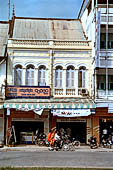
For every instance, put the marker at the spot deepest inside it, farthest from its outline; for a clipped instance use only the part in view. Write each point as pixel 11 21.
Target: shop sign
pixel 28 92
pixel 71 120
pixel 71 112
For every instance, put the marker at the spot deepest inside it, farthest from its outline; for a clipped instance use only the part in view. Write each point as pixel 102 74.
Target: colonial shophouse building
pixel 97 20
pixel 49 77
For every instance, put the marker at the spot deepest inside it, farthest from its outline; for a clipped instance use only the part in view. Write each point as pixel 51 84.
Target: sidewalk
pixel 35 148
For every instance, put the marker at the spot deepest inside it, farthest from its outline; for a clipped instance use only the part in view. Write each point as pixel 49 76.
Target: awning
pixel 53 103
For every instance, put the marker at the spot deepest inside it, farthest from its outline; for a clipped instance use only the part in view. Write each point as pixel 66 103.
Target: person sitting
pixel 49 136
pixel 52 139
pixel 57 139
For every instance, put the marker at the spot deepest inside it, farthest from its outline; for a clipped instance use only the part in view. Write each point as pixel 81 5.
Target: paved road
pixel 56 159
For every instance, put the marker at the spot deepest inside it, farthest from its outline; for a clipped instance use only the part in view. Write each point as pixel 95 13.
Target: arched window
pixel 82 77
pixel 70 73
pixel 58 77
pixel 30 75
pixel 18 75
pixel 42 76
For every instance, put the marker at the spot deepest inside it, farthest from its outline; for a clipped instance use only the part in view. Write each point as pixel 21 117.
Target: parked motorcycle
pixel 106 143
pixel 93 142
pixel 41 139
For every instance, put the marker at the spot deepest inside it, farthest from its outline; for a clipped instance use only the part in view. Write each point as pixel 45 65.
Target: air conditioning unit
pixel 83 92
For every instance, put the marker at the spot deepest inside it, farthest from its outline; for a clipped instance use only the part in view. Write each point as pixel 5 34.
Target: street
pixel 56 159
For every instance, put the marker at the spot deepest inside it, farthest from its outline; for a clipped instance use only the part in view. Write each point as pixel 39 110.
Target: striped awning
pixel 53 103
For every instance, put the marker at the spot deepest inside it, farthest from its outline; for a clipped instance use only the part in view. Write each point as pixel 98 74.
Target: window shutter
pixel 42 77
pixel 30 77
pixel 17 77
pixel 58 78
pixel 72 79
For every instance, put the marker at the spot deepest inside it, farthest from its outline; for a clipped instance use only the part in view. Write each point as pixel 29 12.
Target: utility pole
pixel 9 4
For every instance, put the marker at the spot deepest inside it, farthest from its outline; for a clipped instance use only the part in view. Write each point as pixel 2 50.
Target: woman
pixel 52 139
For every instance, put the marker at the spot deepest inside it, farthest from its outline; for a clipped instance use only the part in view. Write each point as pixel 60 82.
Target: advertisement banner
pixel 28 92
pixel 71 112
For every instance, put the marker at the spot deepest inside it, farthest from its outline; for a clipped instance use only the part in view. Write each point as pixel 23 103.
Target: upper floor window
pixel 81 77
pixel 30 75
pixel 110 82
pixel 70 77
pixel 18 75
pixel 42 76
pixel 58 77
pixel 103 36
pixel 101 82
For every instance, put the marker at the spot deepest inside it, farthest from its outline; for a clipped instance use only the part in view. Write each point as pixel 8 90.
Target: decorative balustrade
pixel 102 93
pixel 48 42
pixel 70 92
pixel 58 92
pixel 104 18
pixel 71 43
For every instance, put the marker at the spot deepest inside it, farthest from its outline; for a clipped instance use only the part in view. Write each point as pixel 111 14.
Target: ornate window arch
pixel 30 75
pixel 70 76
pixel 18 75
pixel 82 77
pixel 58 76
pixel 42 75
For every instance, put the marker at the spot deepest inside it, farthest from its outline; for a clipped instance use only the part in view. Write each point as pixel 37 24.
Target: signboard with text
pixel 70 112
pixel 28 92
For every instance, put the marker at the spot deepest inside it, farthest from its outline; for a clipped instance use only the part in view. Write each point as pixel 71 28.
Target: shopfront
pixel 78 120
pixel 25 115
pixel 103 122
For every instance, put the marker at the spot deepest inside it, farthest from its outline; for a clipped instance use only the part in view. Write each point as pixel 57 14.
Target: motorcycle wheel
pixel 77 143
pixel 65 147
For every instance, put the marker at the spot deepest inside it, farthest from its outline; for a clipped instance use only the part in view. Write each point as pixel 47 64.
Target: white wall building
pixel 50 53
pixel 97 20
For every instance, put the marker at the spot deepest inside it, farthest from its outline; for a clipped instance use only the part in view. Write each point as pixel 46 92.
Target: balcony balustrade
pixel 102 94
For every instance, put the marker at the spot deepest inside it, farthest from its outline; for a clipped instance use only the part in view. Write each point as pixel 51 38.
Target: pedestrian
pixel 49 136
pixel 52 139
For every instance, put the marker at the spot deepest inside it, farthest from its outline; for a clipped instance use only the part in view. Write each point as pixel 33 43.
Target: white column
pixel 64 82
pixel 23 76
pixel 87 80
pixel 76 82
pixel 47 80
pixel 53 82
pixel 36 77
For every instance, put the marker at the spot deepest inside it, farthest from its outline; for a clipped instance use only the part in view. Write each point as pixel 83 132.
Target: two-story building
pixel 49 77
pixel 97 20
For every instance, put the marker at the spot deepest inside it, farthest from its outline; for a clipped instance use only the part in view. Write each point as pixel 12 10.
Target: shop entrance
pixel 78 129
pixel 25 131
pixel 106 125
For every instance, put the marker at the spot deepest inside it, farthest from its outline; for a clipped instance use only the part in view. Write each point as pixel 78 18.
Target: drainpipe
pixel 106 51
pixel 51 67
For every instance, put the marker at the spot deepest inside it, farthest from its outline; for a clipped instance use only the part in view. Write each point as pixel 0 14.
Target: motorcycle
pixel 74 144
pixel 61 144
pixel 41 139
pixel 106 143
pixel 93 142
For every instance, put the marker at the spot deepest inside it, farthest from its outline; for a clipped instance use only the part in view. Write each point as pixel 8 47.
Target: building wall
pixel 1 125
pixel 80 56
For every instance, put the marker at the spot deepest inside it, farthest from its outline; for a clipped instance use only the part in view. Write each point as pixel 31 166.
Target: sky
pixel 41 8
